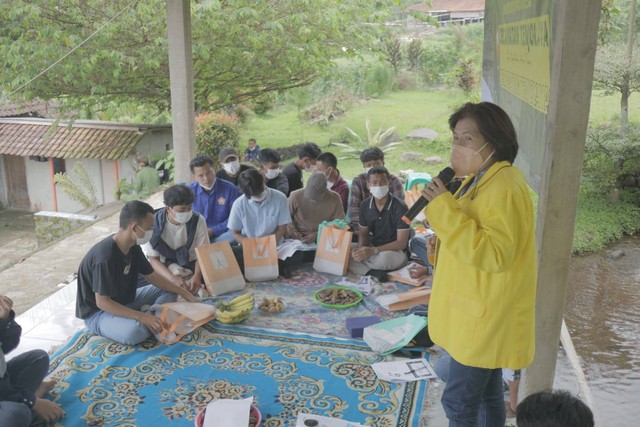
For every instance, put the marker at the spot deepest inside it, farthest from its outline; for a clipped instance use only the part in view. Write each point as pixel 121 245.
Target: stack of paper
pixel 324 421
pixel 290 246
pixel 403 275
pixel 228 412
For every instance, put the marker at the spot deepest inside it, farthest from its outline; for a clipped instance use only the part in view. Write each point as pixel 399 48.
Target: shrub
pixel 414 54
pixel 329 108
pixel 466 75
pixel 378 81
pixel 215 131
pixel 599 222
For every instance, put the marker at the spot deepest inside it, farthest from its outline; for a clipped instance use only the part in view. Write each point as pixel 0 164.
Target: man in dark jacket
pixel 21 385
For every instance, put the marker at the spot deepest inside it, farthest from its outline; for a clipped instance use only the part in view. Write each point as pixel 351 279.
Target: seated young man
pixel 310 206
pixel 553 408
pixel 270 167
pixel 109 300
pixel 382 235
pixel 213 198
pixel 370 157
pixel 177 232
pixel 327 164
pixel 22 388
pixel 231 167
pixel 252 151
pixel 259 212
pixel 307 155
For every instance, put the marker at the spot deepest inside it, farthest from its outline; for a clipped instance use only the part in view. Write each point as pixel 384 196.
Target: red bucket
pixel 254 410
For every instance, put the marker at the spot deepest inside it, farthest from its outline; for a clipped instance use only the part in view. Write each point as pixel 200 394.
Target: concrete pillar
pixel 574 49
pixel 181 75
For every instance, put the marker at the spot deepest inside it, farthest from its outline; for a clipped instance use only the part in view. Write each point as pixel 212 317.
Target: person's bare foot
pixel 511 413
pixel 45 388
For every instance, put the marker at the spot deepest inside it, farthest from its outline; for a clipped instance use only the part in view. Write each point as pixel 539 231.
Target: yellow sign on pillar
pixel 525 60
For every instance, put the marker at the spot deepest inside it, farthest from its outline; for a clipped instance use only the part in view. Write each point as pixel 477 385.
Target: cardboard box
pixel 356 325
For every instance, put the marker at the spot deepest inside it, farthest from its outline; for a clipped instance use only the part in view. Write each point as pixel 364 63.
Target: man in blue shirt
pixel 259 212
pixel 213 198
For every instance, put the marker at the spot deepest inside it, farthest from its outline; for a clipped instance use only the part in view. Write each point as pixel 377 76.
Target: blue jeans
pixel 418 245
pixel 24 371
pixel 122 329
pixel 473 396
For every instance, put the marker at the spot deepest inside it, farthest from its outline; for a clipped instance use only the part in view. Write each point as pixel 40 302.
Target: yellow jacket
pixel 484 288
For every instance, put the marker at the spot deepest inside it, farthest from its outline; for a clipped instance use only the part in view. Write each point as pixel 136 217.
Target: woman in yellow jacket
pixel 482 305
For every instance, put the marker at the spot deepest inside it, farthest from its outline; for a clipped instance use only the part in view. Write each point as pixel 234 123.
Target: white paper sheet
pixel 290 246
pixel 228 413
pixel 402 371
pixel 364 284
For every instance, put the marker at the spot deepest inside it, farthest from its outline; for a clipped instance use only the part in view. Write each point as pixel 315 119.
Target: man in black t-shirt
pixel 307 155
pixel 108 299
pixel 382 236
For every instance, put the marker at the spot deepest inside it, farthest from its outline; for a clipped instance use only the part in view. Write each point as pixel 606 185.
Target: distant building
pixel 32 150
pixel 452 11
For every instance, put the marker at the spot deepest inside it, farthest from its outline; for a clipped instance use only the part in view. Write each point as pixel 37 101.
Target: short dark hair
pixel 328 159
pixel 494 125
pixel 252 140
pixel 310 150
pixel 267 155
pixel 178 195
pixel 134 211
pixel 251 182
pixel 553 408
pixel 371 154
pixel 377 170
pixel 200 161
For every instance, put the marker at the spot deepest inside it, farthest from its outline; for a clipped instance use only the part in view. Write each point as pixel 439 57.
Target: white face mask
pixel 260 198
pixel 379 192
pixel 271 173
pixel 182 217
pixel 311 169
pixel 465 160
pixel 204 187
pixel 366 170
pixel 329 185
pixel 232 167
pixel 147 236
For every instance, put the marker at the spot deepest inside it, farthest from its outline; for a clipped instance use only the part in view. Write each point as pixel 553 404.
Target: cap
pixel 227 152
pixel 316 187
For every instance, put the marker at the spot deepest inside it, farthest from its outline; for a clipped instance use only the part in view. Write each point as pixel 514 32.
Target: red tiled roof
pixel 449 6
pixel 80 139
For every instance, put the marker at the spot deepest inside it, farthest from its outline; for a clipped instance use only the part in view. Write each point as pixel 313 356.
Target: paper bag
pixel 332 255
pixel 181 318
pixel 220 269
pixel 336 223
pixel 260 258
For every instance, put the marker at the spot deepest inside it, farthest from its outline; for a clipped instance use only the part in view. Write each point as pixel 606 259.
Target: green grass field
pixel 406 110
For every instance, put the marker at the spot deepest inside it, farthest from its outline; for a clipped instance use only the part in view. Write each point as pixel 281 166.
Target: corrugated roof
pixel 82 139
pixel 449 6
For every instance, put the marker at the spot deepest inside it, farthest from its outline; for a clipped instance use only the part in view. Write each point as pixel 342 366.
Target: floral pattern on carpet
pixel 158 385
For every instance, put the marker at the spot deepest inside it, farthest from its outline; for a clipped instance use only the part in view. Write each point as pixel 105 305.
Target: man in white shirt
pixel 177 232
pixel 259 212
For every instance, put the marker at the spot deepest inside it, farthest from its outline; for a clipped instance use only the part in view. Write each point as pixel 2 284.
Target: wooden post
pixel 574 49
pixel 181 79
pixel 54 191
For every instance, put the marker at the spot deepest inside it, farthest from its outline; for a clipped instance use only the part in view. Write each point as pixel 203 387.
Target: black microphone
pixel 445 175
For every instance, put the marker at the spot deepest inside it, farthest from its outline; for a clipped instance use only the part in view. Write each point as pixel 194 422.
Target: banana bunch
pixel 235 311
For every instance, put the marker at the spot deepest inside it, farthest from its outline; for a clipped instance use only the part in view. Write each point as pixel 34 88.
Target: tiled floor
pixel 50 323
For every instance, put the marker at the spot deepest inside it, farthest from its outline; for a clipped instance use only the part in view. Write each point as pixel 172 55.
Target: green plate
pixel 338 306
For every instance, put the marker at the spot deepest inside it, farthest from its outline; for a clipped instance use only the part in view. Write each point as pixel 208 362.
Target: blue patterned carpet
pixel 157 385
